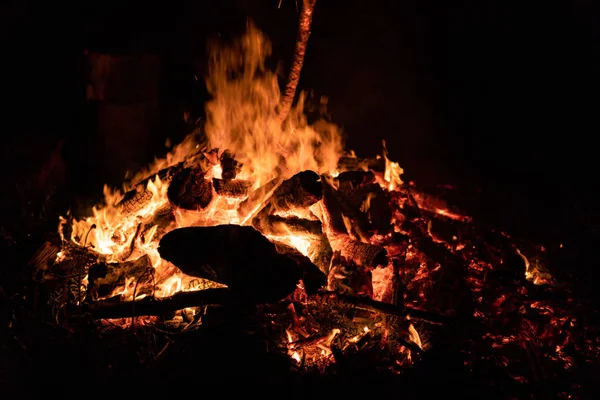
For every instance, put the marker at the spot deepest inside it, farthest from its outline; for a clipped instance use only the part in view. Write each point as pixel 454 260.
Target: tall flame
pixel 241 118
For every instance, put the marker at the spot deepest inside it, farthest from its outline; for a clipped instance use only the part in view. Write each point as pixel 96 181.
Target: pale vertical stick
pixel 302 39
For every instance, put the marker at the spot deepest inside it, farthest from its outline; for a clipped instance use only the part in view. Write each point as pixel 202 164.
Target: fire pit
pixel 259 247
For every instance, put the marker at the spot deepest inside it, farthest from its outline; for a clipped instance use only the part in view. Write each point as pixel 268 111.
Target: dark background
pixel 498 98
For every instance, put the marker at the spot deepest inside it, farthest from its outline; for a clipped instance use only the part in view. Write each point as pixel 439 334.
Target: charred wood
pixel 237 256
pixel 256 197
pixel 229 166
pixel 355 178
pixel 340 215
pixel 363 254
pixel 320 252
pixel 372 200
pixel 163 220
pixel 300 191
pixel 113 308
pixel 275 225
pixel 235 188
pixel 364 164
pixel 190 189
pixel 139 197
pixel 104 278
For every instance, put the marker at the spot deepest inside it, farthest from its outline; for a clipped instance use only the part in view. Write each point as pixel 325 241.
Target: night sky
pixel 496 97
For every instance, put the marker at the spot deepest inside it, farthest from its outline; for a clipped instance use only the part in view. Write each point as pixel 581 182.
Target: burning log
pixel 105 278
pixel 229 166
pixel 300 191
pixel 111 309
pixel 234 189
pixel 363 254
pixel 190 189
pixel 301 42
pixel 138 197
pixel 257 196
pixel 163 219
pixel 237 256
pixel 365 164
pixel 275 225
pixel 340 215
pixel 320 253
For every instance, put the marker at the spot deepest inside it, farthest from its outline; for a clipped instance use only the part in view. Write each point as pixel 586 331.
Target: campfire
pixel 263 215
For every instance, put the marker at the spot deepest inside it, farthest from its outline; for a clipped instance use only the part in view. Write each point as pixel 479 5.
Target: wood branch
pixel 368 304
pixel 274 225
pixel 304 24
pixel 229 166
pixel 365 164
pixel 257 197
pixel 300 191
pixel 363 254
pixel 105 278
pixel 109 309
pixel 237 256
pixel 190 190
pixel 235 189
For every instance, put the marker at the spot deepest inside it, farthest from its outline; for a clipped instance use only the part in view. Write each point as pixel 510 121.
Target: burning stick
pixel 368 304
pixel 255 198
pixel 363 254
pixel 108 309
pixel 105 278
pixel 275 225
pixel 235 189
pixel 303 34
pixel 300 191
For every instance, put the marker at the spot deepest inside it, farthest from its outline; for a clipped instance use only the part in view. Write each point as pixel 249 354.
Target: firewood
pixel 371 204
pixel 275 225
pixel 104 278
pixel 369 304
pixel 190 190
pixel 338 213
pixel 236 188
pixel 320 252
pixel 365 164
pixel 163 219
pixel 114 308
pixel 300 191
pixel 256 197
pixel 313 278
pixel 354 178
pixel 137 198
pixel 363 254
pixel 229 166
pixel 237 256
